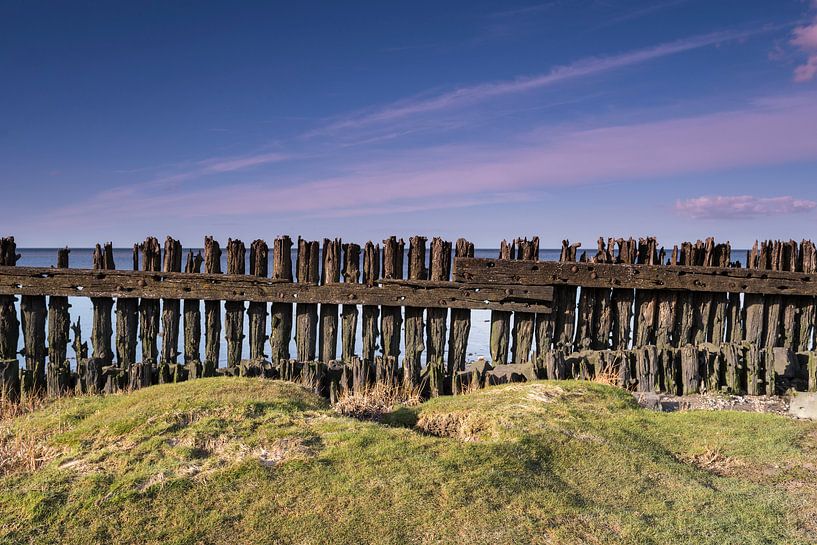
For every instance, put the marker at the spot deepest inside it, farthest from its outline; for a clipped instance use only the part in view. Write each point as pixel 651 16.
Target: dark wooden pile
pixel 691 320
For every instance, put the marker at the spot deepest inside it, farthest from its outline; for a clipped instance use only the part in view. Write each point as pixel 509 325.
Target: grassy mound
pixel 254 461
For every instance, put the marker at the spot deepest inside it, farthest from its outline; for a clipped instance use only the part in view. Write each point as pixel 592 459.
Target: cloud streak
pixel 721 207
pixel 466 96
pixel 771 131
pixel 805 38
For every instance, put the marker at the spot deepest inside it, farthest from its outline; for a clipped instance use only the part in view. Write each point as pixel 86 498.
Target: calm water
pixel 82 258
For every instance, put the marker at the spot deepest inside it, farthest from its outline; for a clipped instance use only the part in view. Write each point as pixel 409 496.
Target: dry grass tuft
pixel 374 401
pixel 608 375
pixel 714 461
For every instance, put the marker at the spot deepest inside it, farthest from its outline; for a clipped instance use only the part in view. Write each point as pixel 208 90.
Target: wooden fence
pixel 685 321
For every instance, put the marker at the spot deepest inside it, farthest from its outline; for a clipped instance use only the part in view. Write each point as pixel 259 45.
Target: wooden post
pixel 371 313
pixel 33 314
pixel 564 304
pixel 440 271
pixel 281 313
pixel 149 310
pixel 645 300
pixel 460 322
pixel 192 322
pixel 171 314
pixel 330 274
pixel 102 327
pixel 501 320
pixel 603 315
pixel 58 372
pixel 212 311
pixel 414 315
pixel 806 305
pixel 667 305
pixel 86 384
pixel 234 310
pixel 790 312
pixel 306 314
pixel 774 303
pixel 257 311
pixel 716 330
pixel 9 329
pixel 690 370
pixel 127 331
pixel 351 274
pixel 524 322
pixel 391 318
pixel 621 300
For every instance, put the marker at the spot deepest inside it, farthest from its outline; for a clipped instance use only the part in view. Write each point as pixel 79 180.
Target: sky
pixel 487 120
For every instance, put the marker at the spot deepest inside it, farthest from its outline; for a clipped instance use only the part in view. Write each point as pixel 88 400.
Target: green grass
pixel 254 461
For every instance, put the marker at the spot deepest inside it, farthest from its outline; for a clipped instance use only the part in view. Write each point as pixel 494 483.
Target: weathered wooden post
pixel 149 311
pixel 234 310
pixel 351 275
pixel 192 322
pixel 391 318
pixel 524 322
pixel 33 314
pixel 127 331
pixel 414 315
pixel 212 310
pixel 439 271
pixel 58 372
pixel 330 274
pixel 9 329
pixel 257 310
pixel 621 300
pixel 645 300
pixel 501 320
pixel 102 328
pixel 807 310
pixel 171 315
pixel 371 313
pixel 564 304
pixel 306 314
pixel 460 321
pixel 281 327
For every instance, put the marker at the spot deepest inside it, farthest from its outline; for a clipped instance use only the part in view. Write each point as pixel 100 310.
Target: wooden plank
pixel 790 311
pixel 371 313
pixel 58 372
pixel 460 321
pixel 805 304
pixel 415 344
pixel 216 287
pixel 330 274
pixel 257 310
pixel 501 320
pixel 349 313
pixel 524 322
pixel 439 270
pixel 391 316
pixel 703 279
pixel 306 314
pixel 281 311
pixel 774 304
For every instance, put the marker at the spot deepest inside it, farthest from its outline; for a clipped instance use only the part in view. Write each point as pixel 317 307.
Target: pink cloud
pixel 771 131
pixel 741 206
pixel 805 39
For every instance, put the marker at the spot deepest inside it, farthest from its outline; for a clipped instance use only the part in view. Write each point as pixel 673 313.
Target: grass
pixel 229 460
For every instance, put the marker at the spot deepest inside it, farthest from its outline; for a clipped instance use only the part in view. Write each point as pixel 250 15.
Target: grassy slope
pixel 252 461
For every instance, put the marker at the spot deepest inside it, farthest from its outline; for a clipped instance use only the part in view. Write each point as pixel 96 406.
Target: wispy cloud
pixel 771 131
pixel 641 12
pixel 805 38
pixel 722 207
pixel 465 96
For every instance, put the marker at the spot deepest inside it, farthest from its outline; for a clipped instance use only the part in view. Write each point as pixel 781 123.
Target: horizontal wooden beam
pixel 224 287
pixel 653 277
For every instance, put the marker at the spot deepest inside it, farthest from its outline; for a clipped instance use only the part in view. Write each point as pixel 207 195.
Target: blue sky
pixel 579 119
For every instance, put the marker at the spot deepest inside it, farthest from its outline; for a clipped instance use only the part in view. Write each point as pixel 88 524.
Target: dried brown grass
pixel 21 451
pixel 374 401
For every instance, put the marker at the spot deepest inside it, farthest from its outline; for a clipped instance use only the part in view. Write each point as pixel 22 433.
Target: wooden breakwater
pixel 682 321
